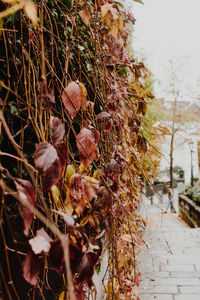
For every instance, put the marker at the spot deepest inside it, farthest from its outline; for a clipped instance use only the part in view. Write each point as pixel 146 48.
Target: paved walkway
pixel 171 266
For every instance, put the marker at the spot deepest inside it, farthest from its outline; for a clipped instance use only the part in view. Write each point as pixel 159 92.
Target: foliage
pixel 193 192
pixel 72 140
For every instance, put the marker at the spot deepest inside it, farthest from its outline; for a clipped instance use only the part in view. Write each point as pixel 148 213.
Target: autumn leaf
pixel 31 11
pixel 57 129
pixel 85 16
pixel 83 189
pixel 71 170
pixel 62 151
pixel 27 195
pixel 103 114
pixel 111 18
pixel 87 146
pixel 69 221
pixel 31 268
pixel 45 156
pixel 45 96
pixel 83 92
pixel 41 242
pixel 108 125
pixel 51 176
pixel 74 97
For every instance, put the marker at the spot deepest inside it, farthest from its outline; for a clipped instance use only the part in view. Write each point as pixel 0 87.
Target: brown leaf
pixel 45 96
pixel 45 156
pixel 58 129
pixel 85 16
pixel 62 150
pixel 31 268
pixel 83 92
pixel 86 143
pixel 108 125
pixel 52 175
pixel 83 189
pixel 103 114
pixel 30 9
pixel 41 242
pixel 27 194
pixel 69 221
pixel 71 98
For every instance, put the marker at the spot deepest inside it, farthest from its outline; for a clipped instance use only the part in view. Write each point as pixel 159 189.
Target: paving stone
pixel 195 289
pixel 156 275
pixel 157 297
pixel 171 281
pixel 184 259
pixel 174 251
pixel 169 289
pixel 188 275
pixel 173 268
pixel 186 297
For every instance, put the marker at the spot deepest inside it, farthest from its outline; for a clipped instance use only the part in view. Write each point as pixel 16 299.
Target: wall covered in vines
pixel 72 116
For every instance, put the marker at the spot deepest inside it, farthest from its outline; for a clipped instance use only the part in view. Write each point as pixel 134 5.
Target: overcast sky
pixel 169 30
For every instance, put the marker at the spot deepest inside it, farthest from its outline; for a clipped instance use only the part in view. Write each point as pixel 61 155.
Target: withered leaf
pixel 44 157
pixel 52 175
pixel 27 194
pixel 56 255
pixel 103 114
pixel 69 221
pixel 41 242
pixel 83 190
pixel 85 16
pixel 58 129
pixel 31 268
pixel 46 96
pixel 30 9
pixel 73 98
pixel 62 154
pixel 108 125
pixel 87 146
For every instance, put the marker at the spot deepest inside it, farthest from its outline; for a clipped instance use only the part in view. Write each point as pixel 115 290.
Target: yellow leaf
pixel 55 194
pixel 82 168
pixel 63 295
pixel 71 170
pixel 83 92
pixel 84 220
pixel 31 11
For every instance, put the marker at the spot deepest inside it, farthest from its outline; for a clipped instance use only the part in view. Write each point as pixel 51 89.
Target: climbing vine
pixel 72 107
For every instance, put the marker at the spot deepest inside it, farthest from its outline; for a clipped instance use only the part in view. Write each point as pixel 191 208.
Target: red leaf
pixel 103 114
pixel 47 97
pixel 82 191
pixel 62 151
pixel 31 268
pixel 58 129
pixel 108 125
pixel 69 221
pixel 52 175
pixel 56 255
pixel 84 270
pixel 27 194
pixel 90 105
pixel 45 156
pixel 71 98
pixel 86 143
pixel 41 242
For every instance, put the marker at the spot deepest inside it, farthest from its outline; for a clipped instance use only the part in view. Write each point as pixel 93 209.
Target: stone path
pixel 171 266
